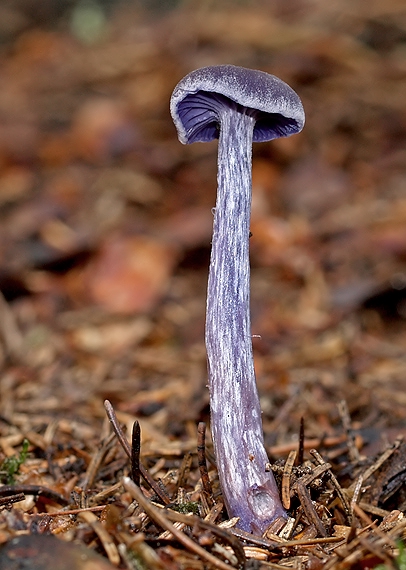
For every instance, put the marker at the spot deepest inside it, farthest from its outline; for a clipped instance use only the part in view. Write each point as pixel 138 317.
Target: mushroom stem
pixel 250 492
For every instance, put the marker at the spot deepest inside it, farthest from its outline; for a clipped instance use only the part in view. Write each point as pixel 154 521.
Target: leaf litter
pixel 105 238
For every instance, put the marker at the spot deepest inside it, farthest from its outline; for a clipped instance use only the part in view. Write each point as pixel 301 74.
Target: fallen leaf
pixel 45 552
pixel 130 274
pixel 110 338
pixel 102 129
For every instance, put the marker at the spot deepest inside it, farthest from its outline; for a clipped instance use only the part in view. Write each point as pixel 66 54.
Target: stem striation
pixel 250 492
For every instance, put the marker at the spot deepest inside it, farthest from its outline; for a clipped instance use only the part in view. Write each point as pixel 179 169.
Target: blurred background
pixel 105 218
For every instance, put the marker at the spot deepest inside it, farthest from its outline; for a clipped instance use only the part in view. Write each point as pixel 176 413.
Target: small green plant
pixel 186 508
pixel 11 465
pixel 400 560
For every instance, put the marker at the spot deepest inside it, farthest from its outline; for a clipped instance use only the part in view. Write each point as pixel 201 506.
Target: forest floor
pixel 105 228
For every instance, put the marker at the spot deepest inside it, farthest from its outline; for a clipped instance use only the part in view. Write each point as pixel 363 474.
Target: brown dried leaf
pixel 45 552
pixel 130 274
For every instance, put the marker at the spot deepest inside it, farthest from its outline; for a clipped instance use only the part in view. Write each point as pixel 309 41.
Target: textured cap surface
pixel 200 97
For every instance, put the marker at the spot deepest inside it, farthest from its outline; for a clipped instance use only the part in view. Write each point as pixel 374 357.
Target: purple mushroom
pixel 237 106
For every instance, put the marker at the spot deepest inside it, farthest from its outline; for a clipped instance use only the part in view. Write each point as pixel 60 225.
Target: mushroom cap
pixel 199 99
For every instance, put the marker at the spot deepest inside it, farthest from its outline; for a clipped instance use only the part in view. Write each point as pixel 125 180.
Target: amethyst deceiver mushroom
pixel 237 106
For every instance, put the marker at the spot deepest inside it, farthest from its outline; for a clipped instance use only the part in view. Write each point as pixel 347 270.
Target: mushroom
pixel 237 106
